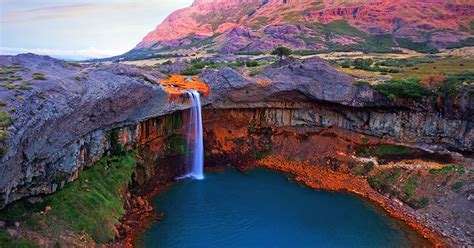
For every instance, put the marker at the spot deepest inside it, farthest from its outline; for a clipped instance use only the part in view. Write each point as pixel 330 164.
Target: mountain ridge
pixel 254 25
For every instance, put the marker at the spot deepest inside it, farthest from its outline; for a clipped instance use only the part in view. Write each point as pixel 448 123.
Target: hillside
pixel 252 26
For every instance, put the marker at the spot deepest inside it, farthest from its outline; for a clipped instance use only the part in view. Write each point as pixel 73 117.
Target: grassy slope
pixel 92 204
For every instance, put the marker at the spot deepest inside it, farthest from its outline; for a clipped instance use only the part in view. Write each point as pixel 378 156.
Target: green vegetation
pixel 389 149
pixel 457 185
pixel 456 168
pixel 454 82
pixel 360 82
pixel 384 180
pixel 190 72
pixel 254 72
pixel 38 76
pixel 16 86
pixel 410 186
pixel 402 88
pixel 9 242
pixel 372 43
pixel 5 119
pixel 92 204
pixel 383 150
pixel 367 65
pixel 416 46
pixel 281 52
pixel 176 144
pixel 464 43
pixel 251 63
pixel 388 181
pixel 418 203
pixel 74 64
pixel 365 169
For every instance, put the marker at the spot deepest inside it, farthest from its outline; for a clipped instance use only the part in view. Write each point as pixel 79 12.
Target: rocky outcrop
pixel 311 93
pixel 62 123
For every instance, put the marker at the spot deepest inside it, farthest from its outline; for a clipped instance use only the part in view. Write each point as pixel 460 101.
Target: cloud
pixel 61 11
pixel 65 54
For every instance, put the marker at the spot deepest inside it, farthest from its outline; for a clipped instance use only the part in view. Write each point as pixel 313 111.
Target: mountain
pixel 243 26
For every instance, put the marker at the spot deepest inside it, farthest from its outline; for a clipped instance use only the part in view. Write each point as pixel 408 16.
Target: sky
pixel 79 29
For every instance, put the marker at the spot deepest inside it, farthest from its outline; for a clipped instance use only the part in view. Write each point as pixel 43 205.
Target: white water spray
pixel 195 157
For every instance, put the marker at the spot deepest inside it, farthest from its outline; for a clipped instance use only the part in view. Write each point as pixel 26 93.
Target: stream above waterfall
pixel 260 208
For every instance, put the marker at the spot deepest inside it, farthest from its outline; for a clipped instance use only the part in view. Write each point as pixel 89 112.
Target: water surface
pixel 262 209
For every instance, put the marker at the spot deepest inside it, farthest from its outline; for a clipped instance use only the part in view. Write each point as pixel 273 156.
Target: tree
pixel 282 52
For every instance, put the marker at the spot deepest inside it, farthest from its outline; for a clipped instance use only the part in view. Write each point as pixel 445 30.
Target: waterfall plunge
pixel 195 147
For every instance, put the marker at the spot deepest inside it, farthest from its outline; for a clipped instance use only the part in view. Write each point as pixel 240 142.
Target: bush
pixel 346 64
pixel 418 204
pixel 74 64
pixel 361 82
pixel 254 73
pixel 190 72
pixel 199 65
pixel 457 185
pixel 251 63
pixel 446 169
pixel 389 149
pixel 5 119
pixel 39 76
pixel 402 88
pixel 383 180
pixel 454 82
pixel 416 46
pixel 410 186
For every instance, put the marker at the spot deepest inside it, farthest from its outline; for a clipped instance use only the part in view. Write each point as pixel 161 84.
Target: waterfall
pixel 195 149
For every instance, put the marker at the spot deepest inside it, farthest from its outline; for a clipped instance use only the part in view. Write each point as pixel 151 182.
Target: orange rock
pixel 176 84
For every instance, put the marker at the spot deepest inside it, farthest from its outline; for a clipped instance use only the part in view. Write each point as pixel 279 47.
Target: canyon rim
pixel 373 98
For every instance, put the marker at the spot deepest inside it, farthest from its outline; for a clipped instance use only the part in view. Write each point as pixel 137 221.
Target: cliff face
pixel 253 25
pixel 310 93
pixel 65 122
pixel 61 122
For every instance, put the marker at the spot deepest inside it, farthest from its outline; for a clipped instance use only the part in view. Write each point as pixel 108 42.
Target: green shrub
pixel 364 169
pixel 360 82
pixel 410 186
pixel 418 204
pixel 5 119
pixel 416 46
pixel 39 76
pixel 199 65
pixel 402 88
pixel 389 149
pixel 346 64
pixel 74 64
pixel 454 82
pixel 7 241
pixel 254 73
pixel 446 169
pixel 190 72
pixel 457 185
pixel 176 144
pixel 251 63
pixel 384 180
